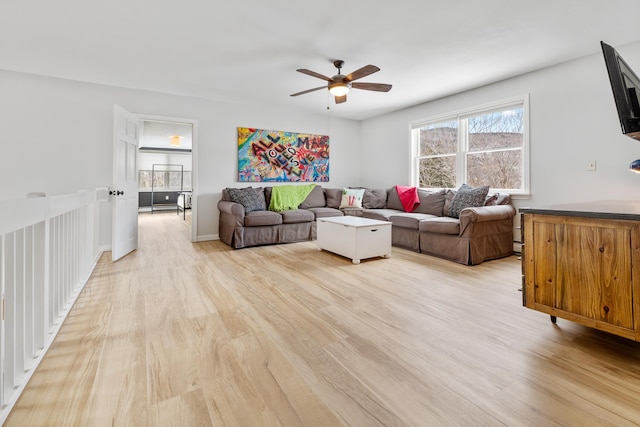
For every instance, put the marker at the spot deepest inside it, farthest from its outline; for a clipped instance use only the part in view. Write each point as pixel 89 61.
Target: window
pixel 483 146
pixel 164 180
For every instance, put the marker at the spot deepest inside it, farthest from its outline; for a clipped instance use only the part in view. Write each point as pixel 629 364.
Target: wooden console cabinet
pixel 581 262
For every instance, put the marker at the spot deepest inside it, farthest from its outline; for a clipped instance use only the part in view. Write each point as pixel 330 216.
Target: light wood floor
pixel 182 334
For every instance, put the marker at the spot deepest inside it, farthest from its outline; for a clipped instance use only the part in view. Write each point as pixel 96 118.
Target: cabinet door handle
pixel 375 229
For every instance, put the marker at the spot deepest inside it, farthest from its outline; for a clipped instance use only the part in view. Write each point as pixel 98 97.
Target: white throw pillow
pixel 351 198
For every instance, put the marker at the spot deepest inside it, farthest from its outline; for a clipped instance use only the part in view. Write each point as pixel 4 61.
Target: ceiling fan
pixel 339 85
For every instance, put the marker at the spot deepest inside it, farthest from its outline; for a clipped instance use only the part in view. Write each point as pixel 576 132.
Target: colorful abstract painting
pixel 269 155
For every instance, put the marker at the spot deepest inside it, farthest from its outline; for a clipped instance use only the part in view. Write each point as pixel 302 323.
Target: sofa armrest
pixel 487 213
pixel 236 210
pixel 469 216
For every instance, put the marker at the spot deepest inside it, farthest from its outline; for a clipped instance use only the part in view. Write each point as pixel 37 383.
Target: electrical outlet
pixel 591 165
pixel 167 197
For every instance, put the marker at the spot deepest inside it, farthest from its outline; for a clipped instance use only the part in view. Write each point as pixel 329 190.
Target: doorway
pixel 166 169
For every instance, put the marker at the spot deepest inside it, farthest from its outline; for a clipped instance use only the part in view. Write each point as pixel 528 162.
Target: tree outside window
pixel 437 159
pixel 479 148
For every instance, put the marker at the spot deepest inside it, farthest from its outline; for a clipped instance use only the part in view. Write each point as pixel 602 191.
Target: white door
pixel 124 193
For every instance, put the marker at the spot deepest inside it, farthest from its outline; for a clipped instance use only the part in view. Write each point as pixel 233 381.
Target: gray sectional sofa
pixel 478 233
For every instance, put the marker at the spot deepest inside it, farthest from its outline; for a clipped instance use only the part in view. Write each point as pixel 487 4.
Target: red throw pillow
pixel 408 197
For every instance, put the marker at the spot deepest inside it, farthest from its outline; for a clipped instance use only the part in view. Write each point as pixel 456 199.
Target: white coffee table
pixel 354 237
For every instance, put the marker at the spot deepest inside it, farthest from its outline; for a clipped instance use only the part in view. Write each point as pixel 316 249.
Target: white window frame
pixel 461 154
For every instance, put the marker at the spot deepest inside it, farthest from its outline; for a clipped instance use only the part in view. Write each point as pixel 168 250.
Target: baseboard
pixel 517 247
pixel 207 238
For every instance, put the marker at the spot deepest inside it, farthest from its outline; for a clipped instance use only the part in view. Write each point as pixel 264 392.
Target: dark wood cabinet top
pixel 609 209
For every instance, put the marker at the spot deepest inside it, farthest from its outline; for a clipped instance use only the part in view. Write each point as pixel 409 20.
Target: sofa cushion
pixel 431 202
pixel 260 218
pixel 333 196
pixel 294 216
pixel 393 200
pixel 380 214
pixel 448 198
pixel 267 195
pixel 315 199
pixel 409 220
pixel 325 212
pixel 467 197
pixel 441 225
pixel 374 198
pixel 251 198
pixel 352 211
pixel 351 198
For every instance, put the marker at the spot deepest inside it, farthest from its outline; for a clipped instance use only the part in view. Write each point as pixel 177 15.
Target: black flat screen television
pixel 626 88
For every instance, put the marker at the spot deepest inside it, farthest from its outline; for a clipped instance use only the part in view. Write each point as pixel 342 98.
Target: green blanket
pixel 285 197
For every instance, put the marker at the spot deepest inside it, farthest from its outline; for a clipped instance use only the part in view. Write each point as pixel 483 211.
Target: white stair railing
pixel 48 250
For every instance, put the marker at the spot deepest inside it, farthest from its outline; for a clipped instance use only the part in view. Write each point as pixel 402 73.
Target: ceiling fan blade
pixel 362 72
pixel 308 90
pixel 314 74
pixel 341 99
pixel 378 87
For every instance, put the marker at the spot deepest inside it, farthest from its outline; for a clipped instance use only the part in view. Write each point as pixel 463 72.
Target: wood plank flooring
pixel 183 334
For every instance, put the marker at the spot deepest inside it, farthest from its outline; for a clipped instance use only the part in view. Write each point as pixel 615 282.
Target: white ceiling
pixel 247 51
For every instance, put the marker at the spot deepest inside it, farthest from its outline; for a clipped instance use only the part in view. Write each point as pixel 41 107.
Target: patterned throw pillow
pixel 467 197
pixel 351 198
pixel 490 200
pixel 247 197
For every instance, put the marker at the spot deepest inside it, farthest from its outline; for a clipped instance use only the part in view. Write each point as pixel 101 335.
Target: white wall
pixel 57 138
pixel 572 120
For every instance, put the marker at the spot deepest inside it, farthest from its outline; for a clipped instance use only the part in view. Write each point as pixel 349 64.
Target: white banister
pixel 47 253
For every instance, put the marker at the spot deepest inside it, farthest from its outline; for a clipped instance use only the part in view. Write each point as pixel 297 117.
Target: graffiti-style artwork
pixel 268 155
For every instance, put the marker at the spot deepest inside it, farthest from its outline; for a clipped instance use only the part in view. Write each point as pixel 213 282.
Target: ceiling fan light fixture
pixel 339 85
pixel 339 88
